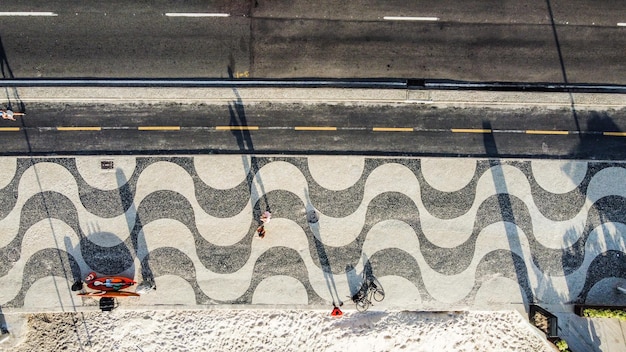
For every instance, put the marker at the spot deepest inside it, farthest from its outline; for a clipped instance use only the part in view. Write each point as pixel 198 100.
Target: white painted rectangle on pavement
pixel 195 14
pixel 29 13
pixel 621 24
pixel 405 18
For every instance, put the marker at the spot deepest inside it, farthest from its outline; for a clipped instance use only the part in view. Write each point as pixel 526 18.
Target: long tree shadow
pixel 239 128
pixel 562 63
pixel 507 213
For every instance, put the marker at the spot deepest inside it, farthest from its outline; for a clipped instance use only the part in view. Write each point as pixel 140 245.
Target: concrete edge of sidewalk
pixel 125 95
pixel 347 306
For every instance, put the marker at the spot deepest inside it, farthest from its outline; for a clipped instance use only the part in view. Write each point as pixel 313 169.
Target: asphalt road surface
pixel 497 40
pixel 290 129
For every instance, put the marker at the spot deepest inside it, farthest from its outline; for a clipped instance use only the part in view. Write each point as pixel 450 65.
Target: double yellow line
pixel 330 128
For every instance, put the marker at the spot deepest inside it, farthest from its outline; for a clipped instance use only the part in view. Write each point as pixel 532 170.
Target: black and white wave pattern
pixel 435 232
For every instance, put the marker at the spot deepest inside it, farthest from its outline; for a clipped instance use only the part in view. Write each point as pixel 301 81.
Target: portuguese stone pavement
pixel 436 233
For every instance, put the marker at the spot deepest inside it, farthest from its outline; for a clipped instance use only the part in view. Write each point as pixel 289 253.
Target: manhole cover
pixel 13 255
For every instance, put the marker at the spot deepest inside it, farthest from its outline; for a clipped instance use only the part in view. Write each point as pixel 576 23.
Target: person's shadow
pixel 138 241
pixel 4 329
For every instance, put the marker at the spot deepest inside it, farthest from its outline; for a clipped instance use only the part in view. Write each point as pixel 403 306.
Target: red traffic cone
pixel 336 312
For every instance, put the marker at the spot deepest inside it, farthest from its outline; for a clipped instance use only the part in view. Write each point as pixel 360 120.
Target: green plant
pixel 605 313
pixel 562 345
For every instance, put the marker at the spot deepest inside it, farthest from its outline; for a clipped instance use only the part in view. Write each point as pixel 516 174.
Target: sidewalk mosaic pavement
pixel 437 233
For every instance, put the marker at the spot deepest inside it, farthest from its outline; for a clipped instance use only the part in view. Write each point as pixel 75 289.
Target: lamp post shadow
pixel 11 93
pixel 322 256
pixel 238 124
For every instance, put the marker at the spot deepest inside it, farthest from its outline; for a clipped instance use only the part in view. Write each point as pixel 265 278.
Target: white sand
pixel 277 330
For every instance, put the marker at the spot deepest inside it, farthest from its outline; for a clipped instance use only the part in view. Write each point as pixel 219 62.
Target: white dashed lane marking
pixel 28 14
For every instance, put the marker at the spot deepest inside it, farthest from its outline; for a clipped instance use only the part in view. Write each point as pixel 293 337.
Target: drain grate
pixel 106 164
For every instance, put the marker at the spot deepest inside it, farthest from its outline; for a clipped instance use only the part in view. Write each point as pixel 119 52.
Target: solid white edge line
pixel 28 14
pixel 621 24
pixel 196 14
pixel 403 18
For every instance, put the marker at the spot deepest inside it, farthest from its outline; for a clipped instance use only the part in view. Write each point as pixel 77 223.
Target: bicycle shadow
pixel 359 285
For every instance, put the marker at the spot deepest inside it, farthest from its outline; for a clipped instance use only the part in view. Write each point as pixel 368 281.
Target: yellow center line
pixel 158 128
pixel 82 128
pixel 546 132
pixel 9 129
pixel 615 134
pixel 393 129
pixel 315 128
pixel 470 130
pixel 237 128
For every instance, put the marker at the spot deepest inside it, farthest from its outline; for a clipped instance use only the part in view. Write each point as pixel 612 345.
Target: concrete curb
pixel 212 96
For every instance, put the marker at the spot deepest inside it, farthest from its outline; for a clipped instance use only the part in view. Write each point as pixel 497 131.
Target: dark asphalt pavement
pixel 537 41
pixel 266 128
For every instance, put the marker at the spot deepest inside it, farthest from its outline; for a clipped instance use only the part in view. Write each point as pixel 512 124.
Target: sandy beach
pixel 276 330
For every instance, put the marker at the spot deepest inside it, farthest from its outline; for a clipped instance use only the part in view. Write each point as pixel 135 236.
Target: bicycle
pixel 370 288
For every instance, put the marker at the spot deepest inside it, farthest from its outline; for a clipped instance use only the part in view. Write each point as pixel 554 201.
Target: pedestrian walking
pixel 266 217
pixel 261 231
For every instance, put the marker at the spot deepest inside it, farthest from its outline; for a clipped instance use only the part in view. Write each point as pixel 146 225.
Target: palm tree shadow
pixel 594 144
pixel 589 146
